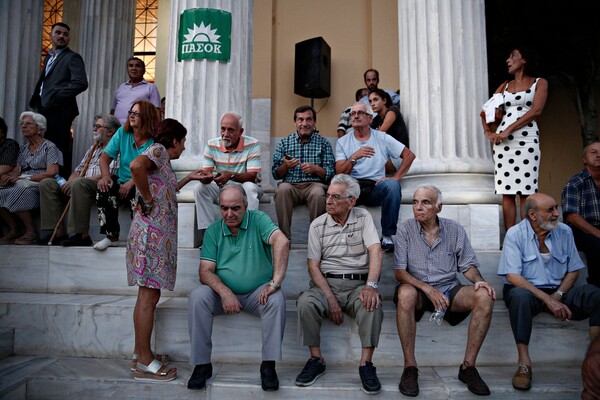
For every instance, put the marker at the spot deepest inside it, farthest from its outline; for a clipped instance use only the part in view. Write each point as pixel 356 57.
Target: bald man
pixel 540 266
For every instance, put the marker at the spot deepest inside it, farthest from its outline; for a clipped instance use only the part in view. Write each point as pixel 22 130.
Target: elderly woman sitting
pixel 19 193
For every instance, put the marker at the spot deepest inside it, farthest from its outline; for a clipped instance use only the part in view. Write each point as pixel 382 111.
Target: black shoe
pixel 268 376
pixel 77 240
pixel 368 376
pixel 199 376
pixel 409 383
pixel 57 239
pixel 475 384
pixel 313 369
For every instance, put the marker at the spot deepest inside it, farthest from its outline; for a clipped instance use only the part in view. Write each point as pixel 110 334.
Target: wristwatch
pixel 374 285
pixel 560 293
pixel 274 285
pixel 353 161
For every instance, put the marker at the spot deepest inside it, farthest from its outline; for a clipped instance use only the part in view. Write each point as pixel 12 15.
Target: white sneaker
pixel 104 244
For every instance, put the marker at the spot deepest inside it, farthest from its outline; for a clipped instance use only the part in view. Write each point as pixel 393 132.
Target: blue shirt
pixel 373 168
pixel 521 255
pixel 316 150
pixel 438 264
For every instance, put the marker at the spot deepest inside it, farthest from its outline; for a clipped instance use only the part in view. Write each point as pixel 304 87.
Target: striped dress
pixel 19 197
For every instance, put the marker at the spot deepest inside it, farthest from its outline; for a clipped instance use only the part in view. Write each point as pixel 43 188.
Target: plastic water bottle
pixel 438 315
pixel 60 180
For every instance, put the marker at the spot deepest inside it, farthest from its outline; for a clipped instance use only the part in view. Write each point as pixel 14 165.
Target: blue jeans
pixel 388 195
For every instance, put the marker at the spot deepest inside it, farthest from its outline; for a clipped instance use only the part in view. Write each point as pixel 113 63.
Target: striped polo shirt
pixel 244 158
pixel 343 249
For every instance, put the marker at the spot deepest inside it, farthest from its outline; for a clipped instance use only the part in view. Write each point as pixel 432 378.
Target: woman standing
pixel 38 159
pixel 152 242
pixel 126 144
pixel 516 143
pixel 388 118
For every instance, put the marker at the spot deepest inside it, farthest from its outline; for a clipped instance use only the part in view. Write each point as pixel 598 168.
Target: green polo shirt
pixel 243 262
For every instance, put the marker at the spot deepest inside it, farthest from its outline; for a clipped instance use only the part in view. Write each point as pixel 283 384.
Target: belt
pixel 352 277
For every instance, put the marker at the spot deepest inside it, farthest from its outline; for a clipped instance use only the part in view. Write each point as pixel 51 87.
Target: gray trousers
pixel 204 304
pixel 53 201
pixel 313 308
pixel 583 301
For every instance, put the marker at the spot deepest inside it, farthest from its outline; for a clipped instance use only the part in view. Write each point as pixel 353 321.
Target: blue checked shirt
pixel 316 151
pixel 436 265
pixel 581 196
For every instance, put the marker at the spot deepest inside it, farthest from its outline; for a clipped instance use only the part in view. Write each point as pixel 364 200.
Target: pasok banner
pixel 204 33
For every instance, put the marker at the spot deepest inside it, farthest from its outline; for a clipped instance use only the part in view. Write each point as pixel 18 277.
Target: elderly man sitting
pixel 540 266
pixel 344 264
pixel 81 190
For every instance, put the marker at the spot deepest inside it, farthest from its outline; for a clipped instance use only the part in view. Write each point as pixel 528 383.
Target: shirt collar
pixel 238 149
pixel 351 219
pixel 139 83
pixel 296 137
pixel 227 232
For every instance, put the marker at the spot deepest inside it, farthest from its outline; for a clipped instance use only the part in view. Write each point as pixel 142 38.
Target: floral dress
pixel 152 242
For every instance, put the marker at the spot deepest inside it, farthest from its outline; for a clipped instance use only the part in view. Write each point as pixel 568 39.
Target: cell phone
pixel 287 157
pixel 218 174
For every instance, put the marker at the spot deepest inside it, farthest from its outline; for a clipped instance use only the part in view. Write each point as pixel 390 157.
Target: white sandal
pixel 154 372
pixel 163 358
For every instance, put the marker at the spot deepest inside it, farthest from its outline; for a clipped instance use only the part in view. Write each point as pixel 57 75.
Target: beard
pixel 548 225
pixel 227 143
pixel 97 137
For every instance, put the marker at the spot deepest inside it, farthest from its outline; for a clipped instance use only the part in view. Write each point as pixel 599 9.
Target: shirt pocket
pixel 558 266
pixel 529 263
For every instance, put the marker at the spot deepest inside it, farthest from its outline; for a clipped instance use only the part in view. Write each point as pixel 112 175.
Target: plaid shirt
pixel 316 151
pixel 581 196
pixel 94 166
pixel 437 265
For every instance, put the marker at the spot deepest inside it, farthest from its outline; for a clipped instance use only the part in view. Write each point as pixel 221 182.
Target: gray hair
pixel 585 149
pixel 352 186
pixel 530 204
pixel 369 109
pixel 111 121
pixel 236 116
pixel 234 186
pixel 39 120
pixel 434 189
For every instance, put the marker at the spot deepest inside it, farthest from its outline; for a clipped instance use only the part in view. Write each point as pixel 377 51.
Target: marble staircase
pixel 66 331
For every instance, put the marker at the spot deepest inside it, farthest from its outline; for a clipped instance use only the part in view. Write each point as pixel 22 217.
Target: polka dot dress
pixel 517 159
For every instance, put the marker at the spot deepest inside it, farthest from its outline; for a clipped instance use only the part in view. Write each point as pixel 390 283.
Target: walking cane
pixel 81 174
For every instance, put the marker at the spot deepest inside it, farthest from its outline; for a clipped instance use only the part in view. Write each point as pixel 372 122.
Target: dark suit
pixel 65 80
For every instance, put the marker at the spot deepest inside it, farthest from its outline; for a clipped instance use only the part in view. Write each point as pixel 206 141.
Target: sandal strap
pixel 151 368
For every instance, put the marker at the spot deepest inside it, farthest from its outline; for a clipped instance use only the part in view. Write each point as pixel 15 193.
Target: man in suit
pixel 62 78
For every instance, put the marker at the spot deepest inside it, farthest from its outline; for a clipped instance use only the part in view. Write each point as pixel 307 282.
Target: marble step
pixel 55 269
pixel 6 342
pixel 35 378
pixel 76 325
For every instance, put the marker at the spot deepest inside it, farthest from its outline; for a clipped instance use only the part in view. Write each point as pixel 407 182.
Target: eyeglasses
pixel 96 126
pixel 134 113
pixel 335 197
pixel 359 113
pixel 26 123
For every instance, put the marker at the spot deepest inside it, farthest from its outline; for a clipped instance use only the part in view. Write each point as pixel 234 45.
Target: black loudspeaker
pixel 312 69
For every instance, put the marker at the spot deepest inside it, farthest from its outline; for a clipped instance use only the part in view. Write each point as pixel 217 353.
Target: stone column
pixel 200 91
pixel 20 58
pixel 105 43
pixel 443 81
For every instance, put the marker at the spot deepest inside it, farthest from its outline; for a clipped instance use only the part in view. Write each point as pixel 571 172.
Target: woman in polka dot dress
pixel 516 143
